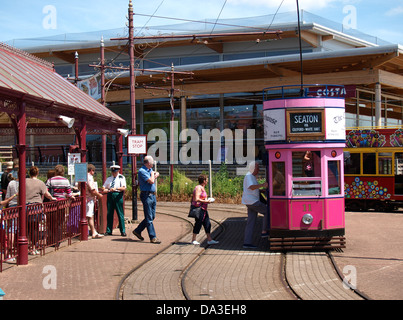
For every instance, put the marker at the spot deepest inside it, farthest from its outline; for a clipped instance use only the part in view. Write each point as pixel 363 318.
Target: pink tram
pixel 304 137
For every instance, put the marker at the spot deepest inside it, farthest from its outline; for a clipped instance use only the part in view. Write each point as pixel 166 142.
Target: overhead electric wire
pixel 274 16
pixel 215 23
pixel 204 22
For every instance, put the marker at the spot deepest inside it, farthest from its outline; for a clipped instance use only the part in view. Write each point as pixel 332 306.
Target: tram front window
pixel 369 163
pixel 306 173
pixel 306 164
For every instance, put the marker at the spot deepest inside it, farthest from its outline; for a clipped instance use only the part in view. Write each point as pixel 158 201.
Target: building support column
pixel 378 105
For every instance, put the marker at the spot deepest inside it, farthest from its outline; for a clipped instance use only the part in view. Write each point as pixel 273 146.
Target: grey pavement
pixel 116 267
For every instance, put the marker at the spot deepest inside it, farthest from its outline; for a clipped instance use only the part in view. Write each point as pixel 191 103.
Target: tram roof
pixel 47 95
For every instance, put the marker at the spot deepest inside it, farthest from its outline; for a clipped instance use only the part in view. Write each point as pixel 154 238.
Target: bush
pixel 224 186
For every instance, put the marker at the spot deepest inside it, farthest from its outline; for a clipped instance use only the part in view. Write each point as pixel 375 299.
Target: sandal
pixel 98 236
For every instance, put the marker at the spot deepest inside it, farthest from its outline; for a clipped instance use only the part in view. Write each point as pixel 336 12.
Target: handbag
pixel 194 212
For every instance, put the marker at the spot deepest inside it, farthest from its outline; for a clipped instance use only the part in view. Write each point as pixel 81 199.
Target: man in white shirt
pixel 251 198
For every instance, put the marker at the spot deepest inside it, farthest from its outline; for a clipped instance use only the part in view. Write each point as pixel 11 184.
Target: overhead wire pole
pixel 171 159
pixel 133 109
pixel 102 67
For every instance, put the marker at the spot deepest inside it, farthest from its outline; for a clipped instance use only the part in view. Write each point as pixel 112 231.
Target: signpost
pixel 136 144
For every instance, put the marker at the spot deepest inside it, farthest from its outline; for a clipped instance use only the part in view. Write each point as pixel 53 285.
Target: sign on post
pixel 72 159
pixel 136 144
pixel 81 170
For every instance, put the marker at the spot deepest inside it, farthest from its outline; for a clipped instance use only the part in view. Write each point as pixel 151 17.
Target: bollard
pixel 2 294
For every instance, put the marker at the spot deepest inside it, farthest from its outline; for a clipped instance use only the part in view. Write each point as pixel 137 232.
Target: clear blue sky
pixel 28 19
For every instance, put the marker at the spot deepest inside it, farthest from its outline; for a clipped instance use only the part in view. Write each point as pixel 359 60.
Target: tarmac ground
pixel 125 268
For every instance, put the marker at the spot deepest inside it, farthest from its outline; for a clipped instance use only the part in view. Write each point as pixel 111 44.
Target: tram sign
pixel 136 144
pixel 305 122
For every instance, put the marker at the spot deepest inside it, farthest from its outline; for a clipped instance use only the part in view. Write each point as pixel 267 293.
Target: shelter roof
pixel 47 95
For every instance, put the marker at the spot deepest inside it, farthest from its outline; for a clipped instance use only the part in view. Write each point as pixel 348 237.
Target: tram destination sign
pixel 306 122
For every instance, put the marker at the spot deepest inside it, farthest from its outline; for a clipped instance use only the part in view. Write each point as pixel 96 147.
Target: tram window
pixel 278 180
pixel 307 188
pixel 369 163
pixel 306 164
pixel 398 173
pixel 333 176
pixel 385 163
pixel 352 163
pixel 398 163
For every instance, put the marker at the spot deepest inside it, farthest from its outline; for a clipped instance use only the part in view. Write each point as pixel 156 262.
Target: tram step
pixel 307 243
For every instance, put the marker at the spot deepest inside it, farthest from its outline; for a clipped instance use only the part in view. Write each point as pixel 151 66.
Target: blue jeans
pixel 149 204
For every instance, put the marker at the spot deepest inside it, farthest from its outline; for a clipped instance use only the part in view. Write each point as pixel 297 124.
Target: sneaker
pixel 196 243
pixel 249 246
pixel 212 242
pixel 155 240
pixel 138 235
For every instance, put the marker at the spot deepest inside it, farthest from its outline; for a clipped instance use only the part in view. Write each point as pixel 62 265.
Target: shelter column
pixel 22 241
pixel 83 149
pixel 119 154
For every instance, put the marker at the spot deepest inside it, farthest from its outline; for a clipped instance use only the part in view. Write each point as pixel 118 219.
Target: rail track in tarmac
pixel 226 271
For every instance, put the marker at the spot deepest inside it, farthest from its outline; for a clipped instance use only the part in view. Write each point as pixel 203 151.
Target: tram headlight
pixel 307 219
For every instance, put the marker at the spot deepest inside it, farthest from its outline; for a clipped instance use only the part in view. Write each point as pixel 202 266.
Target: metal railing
pixel 48 225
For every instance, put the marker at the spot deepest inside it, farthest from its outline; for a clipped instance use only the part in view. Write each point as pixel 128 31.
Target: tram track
pixel 225 267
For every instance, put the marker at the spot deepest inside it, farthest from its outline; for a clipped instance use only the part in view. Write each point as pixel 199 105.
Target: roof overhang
pixel 365 66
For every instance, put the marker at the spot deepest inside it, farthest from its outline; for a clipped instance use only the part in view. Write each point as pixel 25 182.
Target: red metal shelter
pixel 31 89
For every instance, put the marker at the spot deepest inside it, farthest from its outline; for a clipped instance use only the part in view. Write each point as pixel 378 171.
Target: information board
pixel 81 170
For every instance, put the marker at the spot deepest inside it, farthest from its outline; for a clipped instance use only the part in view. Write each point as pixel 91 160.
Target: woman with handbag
pixel 200 200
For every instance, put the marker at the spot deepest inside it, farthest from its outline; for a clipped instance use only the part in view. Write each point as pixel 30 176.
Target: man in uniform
pixel 115 187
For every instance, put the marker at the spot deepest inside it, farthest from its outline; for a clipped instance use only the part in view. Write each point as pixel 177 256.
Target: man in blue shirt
pixel 147 178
